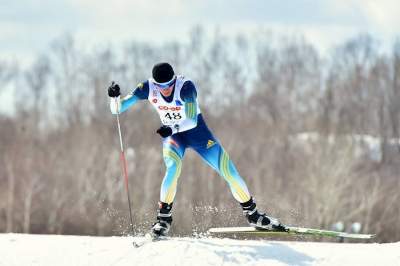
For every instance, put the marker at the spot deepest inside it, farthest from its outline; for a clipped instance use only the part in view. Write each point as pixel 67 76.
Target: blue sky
pixel 28 26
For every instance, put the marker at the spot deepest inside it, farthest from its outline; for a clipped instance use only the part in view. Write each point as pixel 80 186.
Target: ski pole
pixel 124 167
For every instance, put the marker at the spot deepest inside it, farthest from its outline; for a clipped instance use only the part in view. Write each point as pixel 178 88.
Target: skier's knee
pixel 172 162
pixel 173 165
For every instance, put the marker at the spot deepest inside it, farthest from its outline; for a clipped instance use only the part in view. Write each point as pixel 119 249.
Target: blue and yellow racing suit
pixel 192 133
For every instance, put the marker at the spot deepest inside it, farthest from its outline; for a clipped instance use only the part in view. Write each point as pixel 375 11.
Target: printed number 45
pixel 175 116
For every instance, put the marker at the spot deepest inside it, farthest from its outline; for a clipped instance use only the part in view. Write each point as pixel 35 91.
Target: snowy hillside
pixel 51 250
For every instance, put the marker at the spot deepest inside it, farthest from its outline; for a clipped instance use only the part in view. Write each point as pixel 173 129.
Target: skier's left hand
pixel 164 131
pixel 113 90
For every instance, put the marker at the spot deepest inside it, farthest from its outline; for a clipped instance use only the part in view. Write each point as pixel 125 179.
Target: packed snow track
pixel 50 250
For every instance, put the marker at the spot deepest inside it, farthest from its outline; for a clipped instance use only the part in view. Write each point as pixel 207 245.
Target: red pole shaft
pixel 124 169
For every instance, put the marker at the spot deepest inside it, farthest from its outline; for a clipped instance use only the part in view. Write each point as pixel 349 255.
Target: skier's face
pixel 166 88
pixel 167 91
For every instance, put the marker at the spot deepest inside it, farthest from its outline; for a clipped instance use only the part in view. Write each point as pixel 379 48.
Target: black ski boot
pixel 260 220
pixel 164 220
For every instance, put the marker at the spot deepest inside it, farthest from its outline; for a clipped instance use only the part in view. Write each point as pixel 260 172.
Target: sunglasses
pixel 165 85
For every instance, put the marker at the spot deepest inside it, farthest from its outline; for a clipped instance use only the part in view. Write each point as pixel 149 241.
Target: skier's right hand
pixel 164 131
pixel 113 90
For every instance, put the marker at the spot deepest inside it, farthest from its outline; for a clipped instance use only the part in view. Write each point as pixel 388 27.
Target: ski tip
pixel 148 238
pixel 136 244
pixel 357 236
pixel 370 236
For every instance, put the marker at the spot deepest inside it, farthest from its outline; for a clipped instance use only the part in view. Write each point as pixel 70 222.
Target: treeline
pixel 59 160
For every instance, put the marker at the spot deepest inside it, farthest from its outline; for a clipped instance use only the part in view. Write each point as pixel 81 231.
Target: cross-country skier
pixel 175 99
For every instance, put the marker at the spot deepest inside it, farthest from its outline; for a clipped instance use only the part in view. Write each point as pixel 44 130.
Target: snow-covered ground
pixel 54 250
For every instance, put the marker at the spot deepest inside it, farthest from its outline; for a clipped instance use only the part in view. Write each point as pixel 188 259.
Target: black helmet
pixel 163 72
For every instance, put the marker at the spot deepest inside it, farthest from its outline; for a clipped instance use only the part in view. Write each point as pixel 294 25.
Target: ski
pixel 148 238
pixel 291 230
